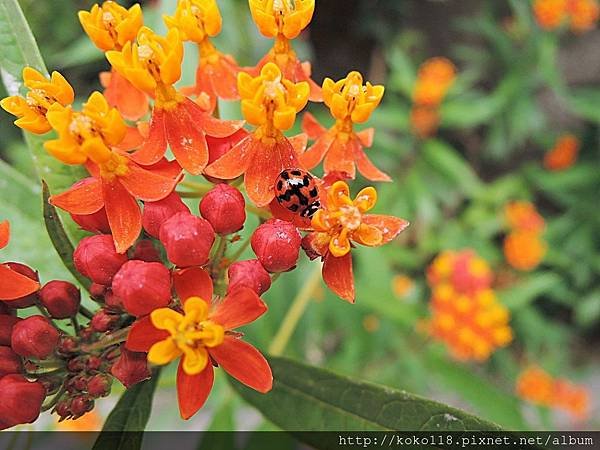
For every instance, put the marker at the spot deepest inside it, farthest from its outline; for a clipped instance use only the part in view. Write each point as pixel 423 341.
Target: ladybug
pixel 296 190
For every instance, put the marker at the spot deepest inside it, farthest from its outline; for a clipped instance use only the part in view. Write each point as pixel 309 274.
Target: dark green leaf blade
pixel 59 238
pixel 307 398
pixel 124 426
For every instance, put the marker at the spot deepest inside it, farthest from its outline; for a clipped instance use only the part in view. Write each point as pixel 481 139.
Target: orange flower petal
pixel 244 363
pixel 366 168
pixel 13 285
pixel 193 282
pixel 4 233
pixel 267 162
pixel 124 216
pixel 312 127
pixel 235 162
pixel 302 73
pixel 219 79
pixel 389 226
pixel 144 335
pixel 211 125
pixel 193 390
pixel 120 93
pixel 279 212
pixel 240 307
pixel 340 158
pixel 314 155
pixel 147 185
pixel 133 139
pixel 169 169
pixel 366 137
pixel 299 142
pixel 368 235
pixel 153 148
pixel 83 199
pixel 187 140
pixel 338 276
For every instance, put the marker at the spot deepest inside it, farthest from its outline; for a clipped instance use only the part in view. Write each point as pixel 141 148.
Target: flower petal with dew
pixel 13 285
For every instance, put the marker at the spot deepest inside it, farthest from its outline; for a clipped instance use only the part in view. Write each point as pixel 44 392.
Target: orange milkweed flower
pixel 535 385
pixel 435 77
pixel 42 94
pixel 349 102
pixel 200 335
pixel 524 250
pixel 550 14
pixel 13 285
pixel 522 215
pixel 424 121
pixel 564 153
pixel 464 270
pixel 153 64
pixel 88 137
pixel 572 398
pixel 216 75
pixel 270 102
pixel 110 26
pixel 341 223
pixel 284 20
pixel 402 285
pixel 583 14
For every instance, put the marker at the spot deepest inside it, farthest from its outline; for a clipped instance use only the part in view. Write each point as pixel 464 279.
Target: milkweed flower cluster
pixel 537 386
pixel 434 79
pixel 580 15
pixel 165 275
pixel 524 247
pixel 465 312
pixel 564 153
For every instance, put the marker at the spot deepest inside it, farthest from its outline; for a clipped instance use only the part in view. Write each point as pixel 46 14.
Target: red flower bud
pixel 249 274
pixel 97 259
pixel 103 321
pixel 97 290
pixel 34 337
pixel 77 364
pixel 112 301
pixel 93 363
pixel 130 368
pixel 99 386
pixel 187 239
pixel 21 400
pixel 94 223
pixel 60 298
pixel 66 345
pixel 143 287
pixel 145 251
pixel 9 361
pixel 6 325
pixel 81 405
pixel 276 243
pixel 77 384
pixel 156 213
pixel 28 300
pixel 63 408
pixel 224 207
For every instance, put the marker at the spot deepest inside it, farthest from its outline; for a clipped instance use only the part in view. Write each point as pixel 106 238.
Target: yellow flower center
pixel 190 334
pixel 115 166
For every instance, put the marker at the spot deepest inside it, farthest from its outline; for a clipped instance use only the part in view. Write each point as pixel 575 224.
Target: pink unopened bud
pixel 63 408
pixel 97 290
pixel 276 243
pixel 93 363
pixel 81 405
pixel 104 321
pixel 34 337
pixel 113 302
pixel 99 386
pixel 156 213
pixel 77 364
pixel 21 400
pixel 96 222
pixel 28 300
pixel 9 361
pixel 224 207
pixel 187 239
pixel 250 274
pixel 66 345
pixel 130 368
pixel 60 298
pixel 6 325
pixel 97 259
pixel 146 251
pixel 143 287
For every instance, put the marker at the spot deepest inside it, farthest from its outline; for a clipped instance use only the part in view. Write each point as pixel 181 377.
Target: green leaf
pixel 124 426
pixel 59 237
pixel 306 398
pixel 18 49
pixel 527 290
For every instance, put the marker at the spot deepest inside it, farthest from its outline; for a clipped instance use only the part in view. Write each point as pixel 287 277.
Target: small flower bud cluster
pixel 524 247
pixel 465 313
pixel 537 386
pixel 435 78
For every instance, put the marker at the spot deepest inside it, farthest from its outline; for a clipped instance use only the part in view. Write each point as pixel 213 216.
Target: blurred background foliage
pixel 518 88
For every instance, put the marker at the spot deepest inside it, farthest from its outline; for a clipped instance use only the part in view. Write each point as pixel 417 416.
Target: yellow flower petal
pixel 366 199
pixel 194 360
pixel 165 318
pixel 368 235
pixel 163 352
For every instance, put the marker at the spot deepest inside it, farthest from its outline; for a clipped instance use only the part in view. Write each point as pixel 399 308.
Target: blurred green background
pixel 518 89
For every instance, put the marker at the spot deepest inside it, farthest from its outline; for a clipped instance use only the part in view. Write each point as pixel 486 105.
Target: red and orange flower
pixel 350 102
pixel 341 223
pixel 564 153
pixel 201 334
pixel 13 285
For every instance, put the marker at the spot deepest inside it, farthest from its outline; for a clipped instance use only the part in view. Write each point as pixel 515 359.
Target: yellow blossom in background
pixel 110 26
pixel 196 20
pixel 42 94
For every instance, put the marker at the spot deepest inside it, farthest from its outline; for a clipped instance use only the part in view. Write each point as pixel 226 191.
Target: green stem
pixel 294 314
pixel 75 324
pixel 197 187
pixel 260 212
pixel 85 312
pixel 110 339
pixel 184 194
pixel 233 258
